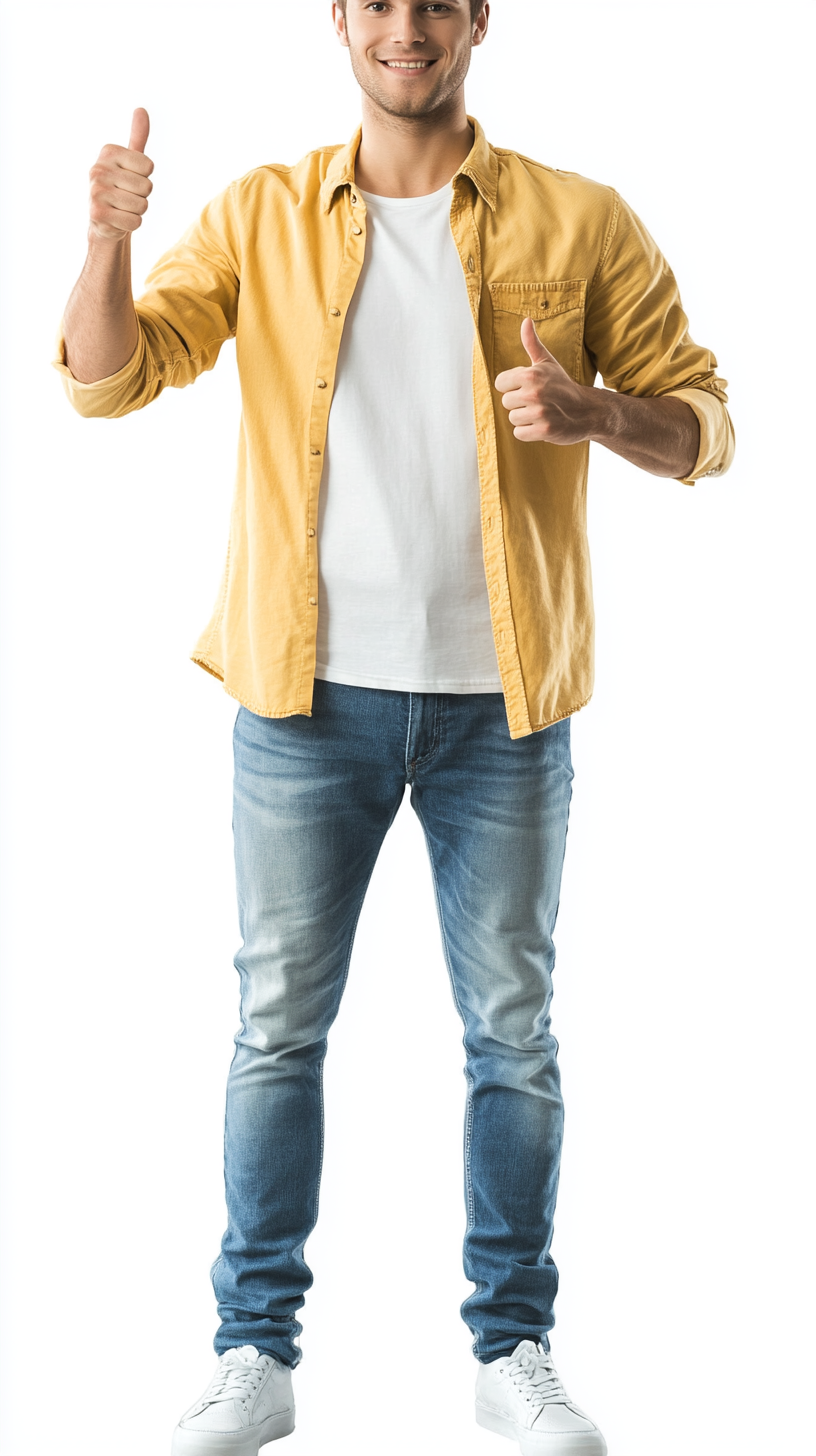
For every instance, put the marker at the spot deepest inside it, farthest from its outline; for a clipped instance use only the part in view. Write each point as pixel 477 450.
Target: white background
pixel 684 1002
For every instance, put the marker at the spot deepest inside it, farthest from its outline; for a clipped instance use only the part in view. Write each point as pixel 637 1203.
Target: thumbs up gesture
pixel 120 183
pixel 542 401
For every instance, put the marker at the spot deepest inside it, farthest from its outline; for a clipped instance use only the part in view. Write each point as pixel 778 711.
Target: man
pixel 406 600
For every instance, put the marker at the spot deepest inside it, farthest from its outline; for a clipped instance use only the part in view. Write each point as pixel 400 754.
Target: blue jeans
pixel 314 798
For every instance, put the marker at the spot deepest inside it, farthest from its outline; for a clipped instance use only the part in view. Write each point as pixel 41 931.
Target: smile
pixel 407 65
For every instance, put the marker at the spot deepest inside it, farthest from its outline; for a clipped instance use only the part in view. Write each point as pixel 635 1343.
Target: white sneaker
pixel 521 1396
pixel 247 1403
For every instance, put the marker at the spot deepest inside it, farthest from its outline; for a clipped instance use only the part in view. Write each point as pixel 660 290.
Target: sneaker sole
pixel 226 1443
pixel 560 1443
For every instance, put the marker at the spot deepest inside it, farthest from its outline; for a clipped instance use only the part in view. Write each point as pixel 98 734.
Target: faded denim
pixel 314 798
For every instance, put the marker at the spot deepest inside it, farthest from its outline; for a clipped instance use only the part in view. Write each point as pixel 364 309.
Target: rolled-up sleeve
pixel 637 337
pixel 187 311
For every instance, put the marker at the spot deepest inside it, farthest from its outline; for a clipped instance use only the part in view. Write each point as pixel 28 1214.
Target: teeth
pixel 407 65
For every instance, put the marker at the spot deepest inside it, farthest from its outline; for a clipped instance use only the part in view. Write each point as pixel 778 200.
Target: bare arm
pixel 661 435
pixel 99 323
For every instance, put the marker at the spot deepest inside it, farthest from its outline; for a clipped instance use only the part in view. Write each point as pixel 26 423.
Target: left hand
pixel 543 402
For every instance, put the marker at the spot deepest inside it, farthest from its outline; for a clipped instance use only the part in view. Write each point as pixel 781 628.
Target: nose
pixel 406 29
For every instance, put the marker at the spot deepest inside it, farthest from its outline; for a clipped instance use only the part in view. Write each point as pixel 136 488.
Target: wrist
pixel 108 246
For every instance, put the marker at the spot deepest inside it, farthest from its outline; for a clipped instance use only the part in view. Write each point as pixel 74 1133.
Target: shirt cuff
pixel 716 434
pixel 104 398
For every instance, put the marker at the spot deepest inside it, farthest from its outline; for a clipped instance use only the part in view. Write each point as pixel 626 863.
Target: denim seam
pixel 423 760
pixel 408 735
pixel 436 741
pixel 316 1200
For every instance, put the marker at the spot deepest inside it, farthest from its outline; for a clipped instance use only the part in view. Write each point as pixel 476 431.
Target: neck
pixel 411 156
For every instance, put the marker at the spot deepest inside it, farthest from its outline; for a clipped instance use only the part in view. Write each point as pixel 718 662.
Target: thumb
pixel 532 343
pixel 139 130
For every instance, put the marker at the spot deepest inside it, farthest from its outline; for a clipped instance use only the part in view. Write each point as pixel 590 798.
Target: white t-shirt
pixel 403 597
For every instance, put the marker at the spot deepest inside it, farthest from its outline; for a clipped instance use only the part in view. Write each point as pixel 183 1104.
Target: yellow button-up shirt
pixel 273 262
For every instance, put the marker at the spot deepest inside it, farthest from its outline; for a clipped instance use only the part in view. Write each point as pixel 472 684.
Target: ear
pixel 339 19
pixel 480 24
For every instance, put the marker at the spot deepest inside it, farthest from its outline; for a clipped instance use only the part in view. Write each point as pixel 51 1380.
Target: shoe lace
pixel 536 1378
pixel 233 1379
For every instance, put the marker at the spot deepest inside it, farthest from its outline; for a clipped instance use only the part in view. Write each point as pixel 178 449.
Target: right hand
pixel 120 183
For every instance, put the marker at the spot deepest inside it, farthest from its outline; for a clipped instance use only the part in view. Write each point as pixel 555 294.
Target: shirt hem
pixel 559 718
pixel 304 709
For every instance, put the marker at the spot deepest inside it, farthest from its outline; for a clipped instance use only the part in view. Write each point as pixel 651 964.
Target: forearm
pixel 660 434
pixel 99 324
pixel 656 432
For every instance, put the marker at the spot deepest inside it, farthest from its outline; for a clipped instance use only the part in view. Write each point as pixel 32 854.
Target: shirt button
pixel 356 231
pixel 312 601
pixel 321 384
pixel 310 531
pixel 471 265
pixel 335 312
pixel 354 198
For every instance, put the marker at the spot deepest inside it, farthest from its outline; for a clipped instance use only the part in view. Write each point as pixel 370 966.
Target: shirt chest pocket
pixel 557 310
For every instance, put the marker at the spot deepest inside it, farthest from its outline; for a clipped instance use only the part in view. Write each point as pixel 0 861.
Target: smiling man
pixel 420 318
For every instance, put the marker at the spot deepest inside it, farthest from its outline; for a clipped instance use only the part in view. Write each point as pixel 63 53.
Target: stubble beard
pixel 428 107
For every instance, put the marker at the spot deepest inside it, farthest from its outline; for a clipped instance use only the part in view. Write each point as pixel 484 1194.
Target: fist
pixel 120 183
pixel 541 399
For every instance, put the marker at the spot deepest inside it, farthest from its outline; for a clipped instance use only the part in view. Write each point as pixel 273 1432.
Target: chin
pixel 400 109
pixel 405 106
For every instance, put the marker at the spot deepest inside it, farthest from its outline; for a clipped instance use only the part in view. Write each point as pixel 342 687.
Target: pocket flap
pixel 538 301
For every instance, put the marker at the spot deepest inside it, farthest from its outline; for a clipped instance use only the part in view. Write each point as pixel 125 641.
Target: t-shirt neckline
pixel 376 199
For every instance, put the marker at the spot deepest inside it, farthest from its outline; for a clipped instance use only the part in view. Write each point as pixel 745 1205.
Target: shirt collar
pixel 480 165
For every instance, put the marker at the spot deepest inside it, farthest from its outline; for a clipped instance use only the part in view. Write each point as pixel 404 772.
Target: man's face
pixel 410 58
